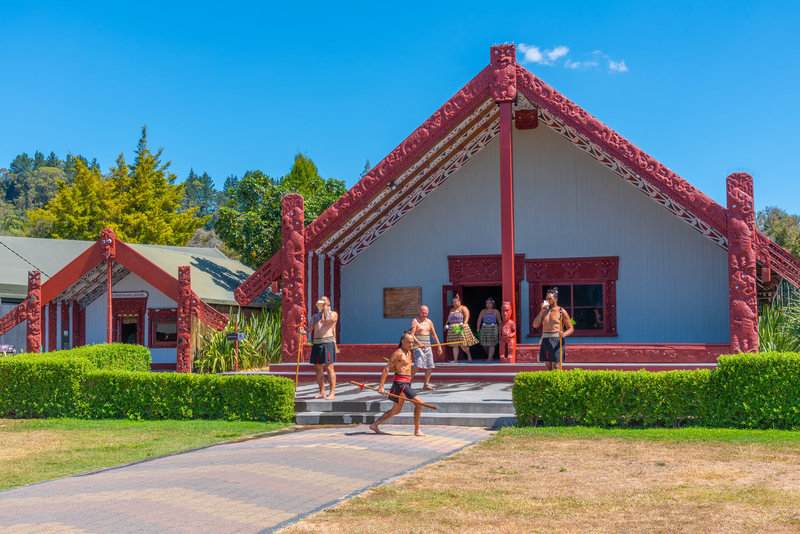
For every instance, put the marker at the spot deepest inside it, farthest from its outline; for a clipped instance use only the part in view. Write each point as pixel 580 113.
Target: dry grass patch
pixel 33 450
pixel 587 480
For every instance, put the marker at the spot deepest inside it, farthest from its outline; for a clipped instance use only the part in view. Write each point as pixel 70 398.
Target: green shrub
pixel 756 391
pixel 121 356
pixel 33 385
pixel 121 394
pixel 261 345
pixel 779 328
pixel 610 398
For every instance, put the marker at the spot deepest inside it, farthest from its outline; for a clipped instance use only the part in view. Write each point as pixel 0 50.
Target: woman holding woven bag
pixel 458 330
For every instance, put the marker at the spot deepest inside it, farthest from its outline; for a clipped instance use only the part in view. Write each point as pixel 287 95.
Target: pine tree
pixel 80 210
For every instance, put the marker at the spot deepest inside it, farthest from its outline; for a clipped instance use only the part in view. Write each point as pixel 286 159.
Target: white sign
pixel 129 295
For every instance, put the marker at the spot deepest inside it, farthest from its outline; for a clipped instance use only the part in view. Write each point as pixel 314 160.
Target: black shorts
pixel 323 353
pixel 549 350
pixel 400 388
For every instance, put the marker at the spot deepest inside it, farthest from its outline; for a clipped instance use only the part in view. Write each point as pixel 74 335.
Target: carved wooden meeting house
pixel 508 189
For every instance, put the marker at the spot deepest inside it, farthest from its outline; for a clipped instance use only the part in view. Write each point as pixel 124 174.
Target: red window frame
pixel 155 316
pixel 545 273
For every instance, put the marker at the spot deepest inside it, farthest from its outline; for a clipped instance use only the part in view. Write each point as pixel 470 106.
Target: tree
pixel 82 209
pixel 367 167
pixel 781 227
pixel 199 192
pixel 147 201
pixel 250 223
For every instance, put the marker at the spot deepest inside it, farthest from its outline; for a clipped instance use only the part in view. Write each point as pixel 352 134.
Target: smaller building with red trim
pixel 55 295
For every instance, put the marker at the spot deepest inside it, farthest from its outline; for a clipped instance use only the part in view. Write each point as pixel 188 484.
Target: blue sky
pixel 707 88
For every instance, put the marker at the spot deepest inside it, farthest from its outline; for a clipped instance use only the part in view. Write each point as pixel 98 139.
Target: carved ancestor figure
pixel 108 242
pixel 184 320
pixel 33 341
pixel 508 332
pixel 504 73
pixel 742 263
pixel 292 280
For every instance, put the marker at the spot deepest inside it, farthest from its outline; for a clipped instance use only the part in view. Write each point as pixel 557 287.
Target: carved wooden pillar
pixel 293 257
pixel 326 288
pixel 75 322
pixel 337 294
pixel 503 88
pixel 33 341
pixel 108 242
pixel 314 282
pixel 183 363
pixel 64 328
pixel 742 290
pixel 52 326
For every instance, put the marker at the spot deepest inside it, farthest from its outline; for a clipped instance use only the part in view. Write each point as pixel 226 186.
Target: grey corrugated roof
pixel 214 276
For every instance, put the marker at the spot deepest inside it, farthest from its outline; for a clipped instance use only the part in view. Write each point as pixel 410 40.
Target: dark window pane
pixel 589 295
pixel 166 331
pixel 589 319
pixel 564 294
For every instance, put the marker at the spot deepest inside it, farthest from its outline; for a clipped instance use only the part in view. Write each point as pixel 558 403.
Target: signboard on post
pixel 235 336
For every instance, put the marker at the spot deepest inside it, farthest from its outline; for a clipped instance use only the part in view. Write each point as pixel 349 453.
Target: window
pixel 587 289
pixel 163 328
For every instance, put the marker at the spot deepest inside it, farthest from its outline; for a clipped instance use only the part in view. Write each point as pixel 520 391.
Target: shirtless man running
pixel 401 365
pixel 323 353
pixel 421 331
pixel 551 317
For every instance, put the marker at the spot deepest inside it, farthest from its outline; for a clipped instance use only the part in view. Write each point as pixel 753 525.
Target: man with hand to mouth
pixel 323 353
pixel 552 318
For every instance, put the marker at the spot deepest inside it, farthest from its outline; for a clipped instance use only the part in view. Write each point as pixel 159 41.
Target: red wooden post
pixel 293 257
pixel 236 344
pixel 337 294
pixel 314 282
pixel 33 341
pixel 52 326
pixel 503 89
pixel 742 290
pixel 184 358
pixel 326 288
pixel 108 242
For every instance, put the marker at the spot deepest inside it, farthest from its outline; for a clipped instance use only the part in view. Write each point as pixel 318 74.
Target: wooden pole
pixel 431 406
pixel 236 344
pixel 299 352
pixel 109 311
pixel 560 339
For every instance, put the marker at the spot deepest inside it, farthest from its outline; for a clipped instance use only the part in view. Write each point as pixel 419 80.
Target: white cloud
pixel 617 66
pixel 583 65
pixel 533 54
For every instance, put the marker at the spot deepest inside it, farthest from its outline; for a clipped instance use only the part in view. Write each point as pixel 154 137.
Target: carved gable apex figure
pixel 108 241
pixel 503 86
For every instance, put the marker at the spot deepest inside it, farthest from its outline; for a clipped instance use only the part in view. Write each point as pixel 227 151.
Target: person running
pixel 323 353
pixel 489 328
pixel 400 364
pixel 458 331
pixel 421 331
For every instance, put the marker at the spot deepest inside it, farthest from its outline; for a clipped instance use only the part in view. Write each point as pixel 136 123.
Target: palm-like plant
pixel 261 345
pixel 779 328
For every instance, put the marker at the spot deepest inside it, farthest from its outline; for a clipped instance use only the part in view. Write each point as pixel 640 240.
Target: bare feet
pixel 320 396
pixel 426 386
pixel 417 433
pixel 469 359
pixel 374 428
pixel 330 397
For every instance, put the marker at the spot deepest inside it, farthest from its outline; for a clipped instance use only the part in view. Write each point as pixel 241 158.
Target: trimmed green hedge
pixel 745 391
pixel 757 391
pixel 120 356
pixel 125 394
pixel 84 383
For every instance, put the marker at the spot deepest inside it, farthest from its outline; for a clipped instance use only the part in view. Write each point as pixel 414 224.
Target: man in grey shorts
pixel 421 331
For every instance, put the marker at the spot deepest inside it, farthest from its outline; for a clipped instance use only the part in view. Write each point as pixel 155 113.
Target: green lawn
pixel 33 450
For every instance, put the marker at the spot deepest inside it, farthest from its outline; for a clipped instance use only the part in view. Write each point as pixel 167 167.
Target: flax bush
pixel 261 345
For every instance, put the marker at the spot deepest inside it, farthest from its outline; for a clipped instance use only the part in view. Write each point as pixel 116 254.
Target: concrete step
pixel 486 420
pixel 323 406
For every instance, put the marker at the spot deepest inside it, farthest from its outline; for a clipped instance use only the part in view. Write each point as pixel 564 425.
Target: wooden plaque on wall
pixel 401 301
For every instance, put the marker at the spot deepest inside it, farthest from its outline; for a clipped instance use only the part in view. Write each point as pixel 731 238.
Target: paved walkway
pixel 248 486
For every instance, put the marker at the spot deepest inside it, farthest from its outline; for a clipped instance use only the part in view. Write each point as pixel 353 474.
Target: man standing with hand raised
pixel 552 317
pixel 323 353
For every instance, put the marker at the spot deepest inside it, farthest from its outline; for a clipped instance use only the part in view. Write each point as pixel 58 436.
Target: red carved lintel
pixel 603 270
pixel 183 362
pixel 482 269
pixel 14 317
pixel 742 287
pixel 293 292
pixel 337 293
pixel 52 326
pixel 34 312
pixel 503 84
pixel 526 119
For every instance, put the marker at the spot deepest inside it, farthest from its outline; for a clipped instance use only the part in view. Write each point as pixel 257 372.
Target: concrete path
pixel 249 486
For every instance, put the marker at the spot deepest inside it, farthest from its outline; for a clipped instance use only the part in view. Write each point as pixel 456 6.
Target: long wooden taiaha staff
pixel 362 386
pixel 299 352
pixel 560 339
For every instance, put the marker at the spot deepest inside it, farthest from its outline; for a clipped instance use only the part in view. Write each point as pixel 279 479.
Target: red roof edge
pixel 636 159
pixel 416 144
